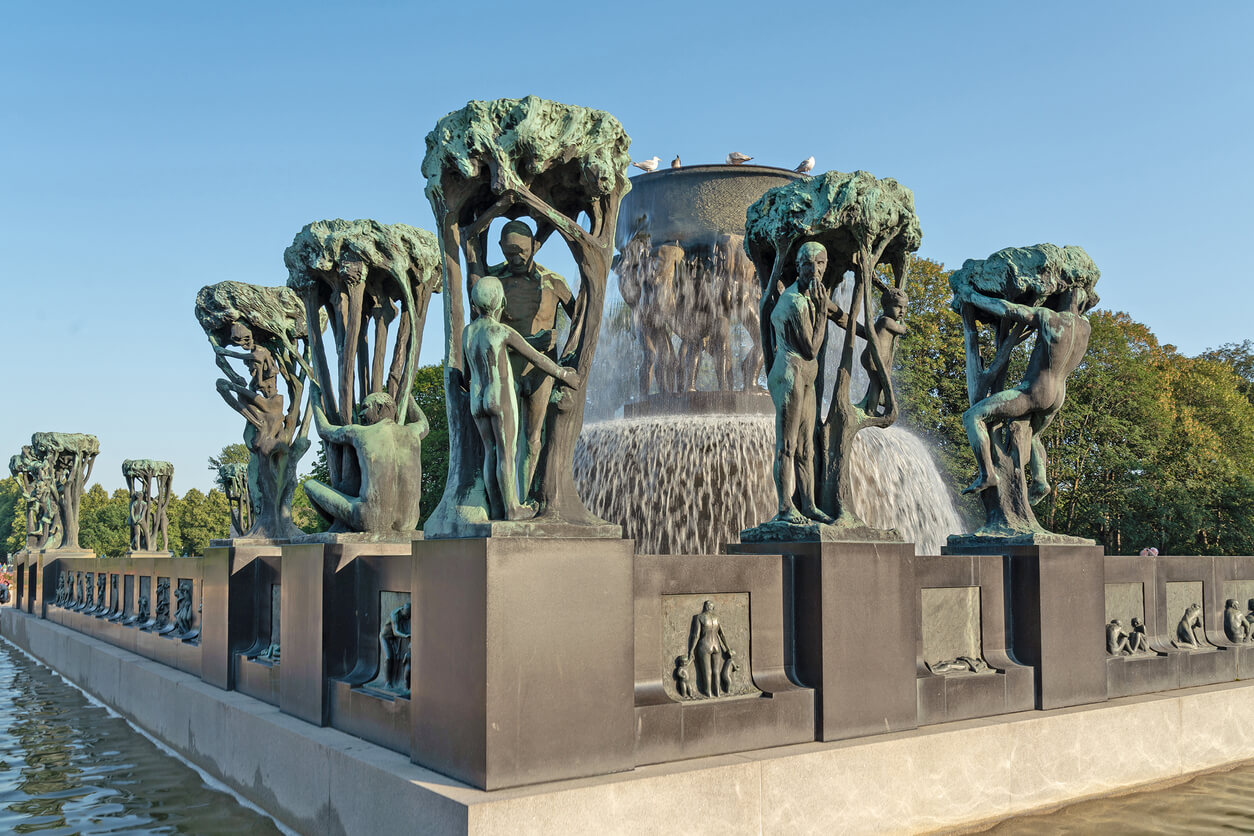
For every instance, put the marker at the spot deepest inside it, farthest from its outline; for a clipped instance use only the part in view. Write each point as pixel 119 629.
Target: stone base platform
pixel 321 781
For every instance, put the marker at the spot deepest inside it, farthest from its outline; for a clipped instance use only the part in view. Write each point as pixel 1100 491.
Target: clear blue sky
pixel 147 149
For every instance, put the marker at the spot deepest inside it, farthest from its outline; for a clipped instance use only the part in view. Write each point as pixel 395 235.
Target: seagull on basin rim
pixel 648 165
pixel 806 165
pixel 676 163
pixel 737 158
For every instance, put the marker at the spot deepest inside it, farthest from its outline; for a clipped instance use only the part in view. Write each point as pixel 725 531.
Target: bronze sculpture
pixel 1039 292
pixel 372 282
pixel 268 324
pixel 492 351
pixel 708 649
pixel 148 484
pixel 554 164
pixel 861 223
pixel 394 651
pixel 233 479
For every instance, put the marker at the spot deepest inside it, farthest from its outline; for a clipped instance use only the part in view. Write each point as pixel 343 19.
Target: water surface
pixel 1220 802
pixel 70 767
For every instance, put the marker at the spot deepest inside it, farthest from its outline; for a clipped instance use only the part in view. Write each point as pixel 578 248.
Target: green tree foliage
pixel 1152 448
pixel 1109 430
pixel 12 517
pixel 197 518
pixel 102 521
pixel 429 393
pixel 1240 358
pixel 931 373
pixel 230 454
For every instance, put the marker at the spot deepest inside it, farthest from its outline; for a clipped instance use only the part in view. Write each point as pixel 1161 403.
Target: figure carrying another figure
pixel 1062 337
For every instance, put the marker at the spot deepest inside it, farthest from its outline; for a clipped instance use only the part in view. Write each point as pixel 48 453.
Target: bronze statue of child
pixel 884 334
pixel 486 345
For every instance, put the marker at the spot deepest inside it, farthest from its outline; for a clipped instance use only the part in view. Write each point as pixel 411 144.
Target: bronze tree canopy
pixel 372 283
pixel 267 327
pixel 555 164
pixel 1040 292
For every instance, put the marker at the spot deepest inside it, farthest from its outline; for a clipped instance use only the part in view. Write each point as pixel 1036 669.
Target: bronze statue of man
pixel 389 459
pixel 1062 337
pixel 799 323
pixel 532 296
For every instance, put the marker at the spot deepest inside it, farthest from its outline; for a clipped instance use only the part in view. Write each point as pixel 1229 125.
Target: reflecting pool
pixel 1220 802
pixel 69 767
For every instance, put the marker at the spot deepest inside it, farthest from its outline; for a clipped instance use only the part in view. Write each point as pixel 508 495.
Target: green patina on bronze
pixel 233 479
pixel 268 327
pixel 861 222
pixel 373 283
pixel 148 484
pixel 1040 292
pixel 551 162
pixel 52 472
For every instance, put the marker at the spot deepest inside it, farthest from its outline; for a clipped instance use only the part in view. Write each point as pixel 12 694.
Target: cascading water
pixel 689 484
pixel 679 346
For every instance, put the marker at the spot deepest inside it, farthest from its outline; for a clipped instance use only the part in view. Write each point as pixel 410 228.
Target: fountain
pixel 689 484
pixel 688 465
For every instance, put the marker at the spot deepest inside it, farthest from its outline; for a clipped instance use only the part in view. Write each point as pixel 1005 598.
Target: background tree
pixel 1240 358
pixel 12 517
pixel 103 526
pixel 197 518
pixel 931 377
pixel 230 454
pixel 429 394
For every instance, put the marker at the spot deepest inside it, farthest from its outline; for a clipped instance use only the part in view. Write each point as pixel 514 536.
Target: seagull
pixel 648 165
pixel 806 165
pixel 737 158
pixel 675 163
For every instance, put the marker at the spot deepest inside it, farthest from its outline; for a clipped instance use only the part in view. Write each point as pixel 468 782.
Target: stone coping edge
pixel 948 777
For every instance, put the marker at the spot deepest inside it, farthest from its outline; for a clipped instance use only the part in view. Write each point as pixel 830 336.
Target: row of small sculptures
pixel 84 592
pixel 1190 632
pixel 516 388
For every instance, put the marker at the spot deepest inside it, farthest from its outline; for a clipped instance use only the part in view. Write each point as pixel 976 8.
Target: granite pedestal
pixel 1058 627
pixel 855 632
pixel 522 662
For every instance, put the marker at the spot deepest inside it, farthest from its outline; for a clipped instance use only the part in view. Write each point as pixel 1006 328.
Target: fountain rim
pixel 726 168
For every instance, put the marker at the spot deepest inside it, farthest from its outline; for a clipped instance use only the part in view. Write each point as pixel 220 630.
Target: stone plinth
pixel 522 659
pixel 855 633
pixel 321 781
pixel 763 707
pixel 1057 597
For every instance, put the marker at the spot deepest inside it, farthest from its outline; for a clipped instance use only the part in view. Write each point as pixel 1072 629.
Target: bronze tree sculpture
pixel 372 282
pixel 862 223
pixel 267 326
pixel 552 163
pixel 1016 294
